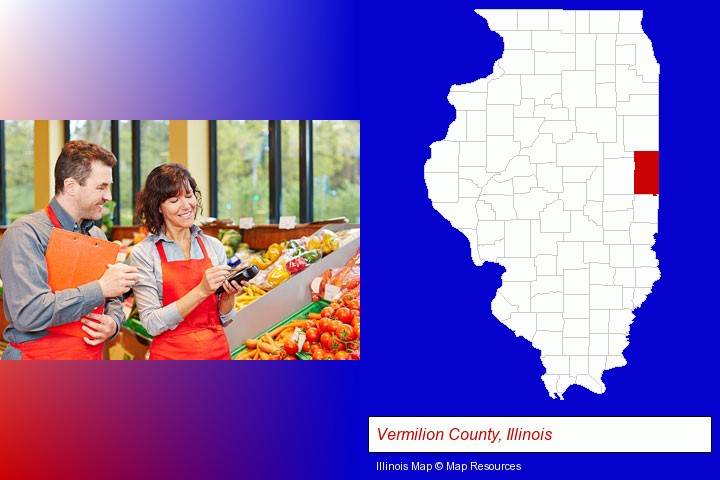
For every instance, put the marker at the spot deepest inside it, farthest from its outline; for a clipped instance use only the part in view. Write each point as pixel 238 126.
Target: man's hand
pixel 118 279
pixel 98 327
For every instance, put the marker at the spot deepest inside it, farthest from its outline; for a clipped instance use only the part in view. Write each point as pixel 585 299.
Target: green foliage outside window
pixel 19 169
pixel 243 155
pixel 336 169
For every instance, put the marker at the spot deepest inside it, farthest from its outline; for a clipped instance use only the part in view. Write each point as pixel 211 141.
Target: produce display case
pixel 288 297
pixel 315 307
pixel 258 237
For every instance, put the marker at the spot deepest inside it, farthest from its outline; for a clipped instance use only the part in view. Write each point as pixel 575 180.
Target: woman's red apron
pixel 64 342
pixel 200 336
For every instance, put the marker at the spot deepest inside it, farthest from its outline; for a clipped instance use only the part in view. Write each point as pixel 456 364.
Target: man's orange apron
pixel 200 336
pixel 66 341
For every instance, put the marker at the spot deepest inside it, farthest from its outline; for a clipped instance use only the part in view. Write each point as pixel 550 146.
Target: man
pixel 46 323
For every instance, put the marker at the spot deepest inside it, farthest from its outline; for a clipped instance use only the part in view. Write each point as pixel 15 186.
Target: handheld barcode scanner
pixel 245 273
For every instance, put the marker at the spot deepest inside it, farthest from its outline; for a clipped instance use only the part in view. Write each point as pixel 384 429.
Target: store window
pixel 336 169
pixel 290 130
pixel 16 169
pixel 242 170
pixel 329 147
pixel 141 146
pixel 154 145
pixel 95 131
pixel 125 168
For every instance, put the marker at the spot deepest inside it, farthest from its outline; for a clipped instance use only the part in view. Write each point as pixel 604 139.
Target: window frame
pixel 306 172
pixel 3 176
pixel 135 163
pixel 275 167
pixel 275 170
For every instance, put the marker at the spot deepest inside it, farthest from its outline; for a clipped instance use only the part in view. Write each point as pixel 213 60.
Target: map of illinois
pixel 551 170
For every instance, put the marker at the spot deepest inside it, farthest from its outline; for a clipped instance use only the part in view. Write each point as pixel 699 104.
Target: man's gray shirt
pixel 29 303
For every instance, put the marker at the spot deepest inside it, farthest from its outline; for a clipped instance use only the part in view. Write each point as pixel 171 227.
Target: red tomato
pixel 325 340
pixel 308 324
pixel 355 321
pixel 312 335
pixel 328 356
pixel 356 331
pixel 314 347
pixel 318 355
pixel 341 355
pixel 353 347
pixel 353 305
pixel 336 345
pixel 327 312
pixel 334 324
pixel 323 324
pixel 344 332
pixel 291 348
pixel 347 298
pixel 343 314
pixel 306 347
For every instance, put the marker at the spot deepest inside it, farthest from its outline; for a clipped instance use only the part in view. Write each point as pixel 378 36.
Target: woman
pixel 180 269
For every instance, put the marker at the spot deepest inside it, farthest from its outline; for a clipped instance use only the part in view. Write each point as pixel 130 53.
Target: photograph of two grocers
pixel 180 239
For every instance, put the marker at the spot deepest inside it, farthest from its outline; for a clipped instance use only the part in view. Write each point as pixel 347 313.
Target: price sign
pixel 246 223
pixel 287 223
pixel 331 292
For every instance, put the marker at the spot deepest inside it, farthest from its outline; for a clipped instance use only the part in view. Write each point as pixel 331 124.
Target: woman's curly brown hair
pixel 163 182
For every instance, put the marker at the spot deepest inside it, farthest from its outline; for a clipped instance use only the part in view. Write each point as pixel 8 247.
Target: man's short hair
pixel 76 159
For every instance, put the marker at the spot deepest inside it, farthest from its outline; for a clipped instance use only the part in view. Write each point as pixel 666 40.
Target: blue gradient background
pixel 430 345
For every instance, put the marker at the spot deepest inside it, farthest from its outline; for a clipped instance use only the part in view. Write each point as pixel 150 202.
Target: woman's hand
pixel 227 299
pixel 214 277
pixel 232 289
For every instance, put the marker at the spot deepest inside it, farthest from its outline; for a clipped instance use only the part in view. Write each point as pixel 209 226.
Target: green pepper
pixel 312 256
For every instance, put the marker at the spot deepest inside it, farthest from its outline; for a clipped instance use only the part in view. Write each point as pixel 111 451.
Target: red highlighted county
pixel 647 173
